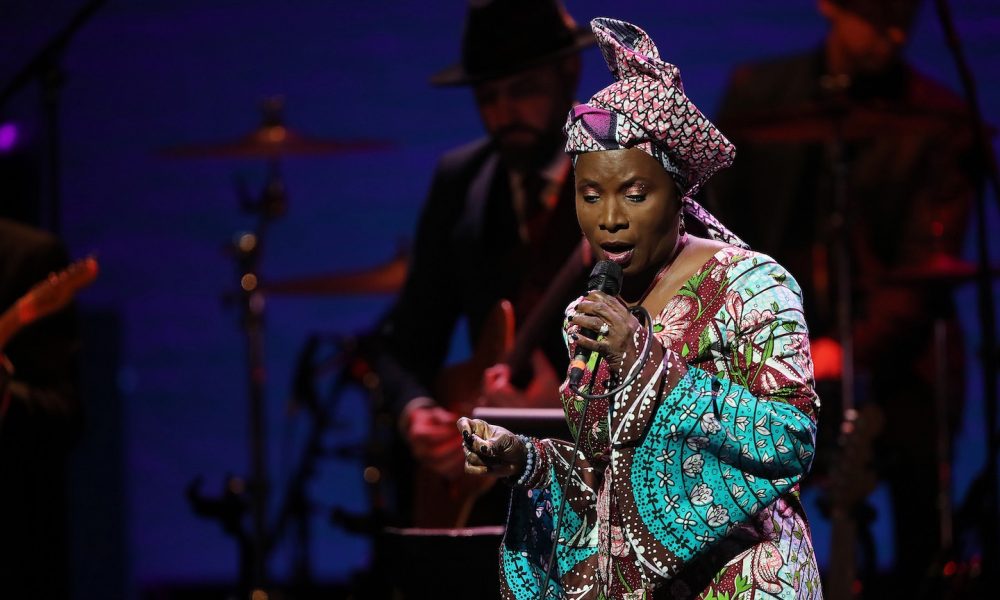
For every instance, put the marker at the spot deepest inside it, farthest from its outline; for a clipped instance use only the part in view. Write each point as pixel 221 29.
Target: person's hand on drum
pixel 607 316
pixel 491 449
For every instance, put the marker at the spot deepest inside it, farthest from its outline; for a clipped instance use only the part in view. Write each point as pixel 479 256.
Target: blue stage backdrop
pixel 145 75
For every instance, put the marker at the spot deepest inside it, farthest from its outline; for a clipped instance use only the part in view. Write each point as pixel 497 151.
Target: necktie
pixel 534 210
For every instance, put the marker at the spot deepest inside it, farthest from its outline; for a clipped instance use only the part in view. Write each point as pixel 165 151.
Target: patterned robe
pixel 685 484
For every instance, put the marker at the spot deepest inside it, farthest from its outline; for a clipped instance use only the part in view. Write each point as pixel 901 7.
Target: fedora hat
pixel 502 37
pixel 884 13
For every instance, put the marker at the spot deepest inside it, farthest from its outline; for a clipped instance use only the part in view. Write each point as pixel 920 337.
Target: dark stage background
pixel 167 386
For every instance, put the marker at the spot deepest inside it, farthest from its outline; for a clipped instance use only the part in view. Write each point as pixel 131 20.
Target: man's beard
pixel 531 151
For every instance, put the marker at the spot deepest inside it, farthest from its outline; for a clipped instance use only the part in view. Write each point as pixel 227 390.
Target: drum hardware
pixel 841 221
pixel 271 141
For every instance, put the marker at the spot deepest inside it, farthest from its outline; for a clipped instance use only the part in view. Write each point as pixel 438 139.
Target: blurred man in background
pixel 499 220
pixel 498 224
pixel 848 144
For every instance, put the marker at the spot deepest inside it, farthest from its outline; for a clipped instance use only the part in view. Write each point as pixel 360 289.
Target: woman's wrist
pixel 530 459
pixel 535 467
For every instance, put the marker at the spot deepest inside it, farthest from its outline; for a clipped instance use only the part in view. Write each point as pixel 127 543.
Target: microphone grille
pixel 606 277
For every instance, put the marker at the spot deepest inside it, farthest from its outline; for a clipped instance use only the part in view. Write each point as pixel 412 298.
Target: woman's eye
pixel 590 198
pixel 635 197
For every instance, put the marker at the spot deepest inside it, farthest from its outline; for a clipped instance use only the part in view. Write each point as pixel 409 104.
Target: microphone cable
pixel 557 524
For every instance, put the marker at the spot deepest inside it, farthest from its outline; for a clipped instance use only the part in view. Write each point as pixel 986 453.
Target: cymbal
pixel 273 141
pixel 826 123
pixel 941 269
pixel 386 278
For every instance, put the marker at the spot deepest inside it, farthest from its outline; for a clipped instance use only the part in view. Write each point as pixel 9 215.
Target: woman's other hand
pixel 609 317
pixel 491 449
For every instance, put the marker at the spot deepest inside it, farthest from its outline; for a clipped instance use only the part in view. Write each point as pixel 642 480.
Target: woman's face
pixel 628 208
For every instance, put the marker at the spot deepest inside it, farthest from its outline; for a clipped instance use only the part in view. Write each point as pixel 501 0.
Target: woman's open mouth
pixel 618 252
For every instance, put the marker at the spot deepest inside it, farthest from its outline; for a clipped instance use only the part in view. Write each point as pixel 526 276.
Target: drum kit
pixel 273 142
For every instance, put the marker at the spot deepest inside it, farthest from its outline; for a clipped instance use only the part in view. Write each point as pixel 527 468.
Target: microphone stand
pixel 989 175
pixel 45 66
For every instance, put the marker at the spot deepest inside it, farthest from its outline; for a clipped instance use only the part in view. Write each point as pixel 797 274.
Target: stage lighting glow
pixel 8 136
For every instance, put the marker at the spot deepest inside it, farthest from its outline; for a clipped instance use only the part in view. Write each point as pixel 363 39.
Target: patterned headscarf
pixel 646 108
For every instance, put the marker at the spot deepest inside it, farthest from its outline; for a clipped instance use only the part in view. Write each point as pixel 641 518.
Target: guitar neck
pixel 46 297
pixel 9 325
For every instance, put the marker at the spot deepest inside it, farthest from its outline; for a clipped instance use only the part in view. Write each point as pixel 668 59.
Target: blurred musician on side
pixel 40 418
pixel 853 106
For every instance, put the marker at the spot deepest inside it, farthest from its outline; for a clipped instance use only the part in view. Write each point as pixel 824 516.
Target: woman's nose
pixel 613 217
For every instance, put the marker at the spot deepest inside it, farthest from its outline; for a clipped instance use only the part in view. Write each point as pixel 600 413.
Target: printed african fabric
pixel 685 485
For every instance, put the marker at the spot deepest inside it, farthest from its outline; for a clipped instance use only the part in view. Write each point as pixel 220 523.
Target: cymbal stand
pixel 841 221
pixel 943 431
pixel 248 247
pixel 840 232
pixel 240 497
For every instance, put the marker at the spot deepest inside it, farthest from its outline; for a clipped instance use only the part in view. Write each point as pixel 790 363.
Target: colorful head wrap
pixel 646 108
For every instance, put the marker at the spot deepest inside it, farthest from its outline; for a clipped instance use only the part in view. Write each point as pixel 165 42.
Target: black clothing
pixel 42 422
pixel 468 255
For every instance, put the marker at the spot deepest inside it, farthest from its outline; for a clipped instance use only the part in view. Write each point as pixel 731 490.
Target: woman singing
pixel 685 483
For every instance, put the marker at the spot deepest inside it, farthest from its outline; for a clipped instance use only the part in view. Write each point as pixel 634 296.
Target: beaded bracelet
pixel 543 464
pixel 529 466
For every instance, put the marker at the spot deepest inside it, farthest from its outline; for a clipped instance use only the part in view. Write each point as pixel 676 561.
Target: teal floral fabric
pixel 685 485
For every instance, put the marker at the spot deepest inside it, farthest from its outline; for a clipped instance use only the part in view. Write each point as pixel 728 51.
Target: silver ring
pixel 604 329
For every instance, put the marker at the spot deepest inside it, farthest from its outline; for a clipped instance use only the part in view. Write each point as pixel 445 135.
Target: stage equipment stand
pixel 252 494
pixel 45 66
pixel 840 228
pixel 248 251
pixel 986 483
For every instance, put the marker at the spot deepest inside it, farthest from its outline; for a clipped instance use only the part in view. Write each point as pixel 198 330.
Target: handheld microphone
pixel 605 277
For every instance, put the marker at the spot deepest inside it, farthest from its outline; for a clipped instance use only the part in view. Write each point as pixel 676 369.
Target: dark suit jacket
pixel 467 257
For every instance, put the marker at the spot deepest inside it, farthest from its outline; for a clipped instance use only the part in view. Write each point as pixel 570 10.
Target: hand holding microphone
pixel 601 315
